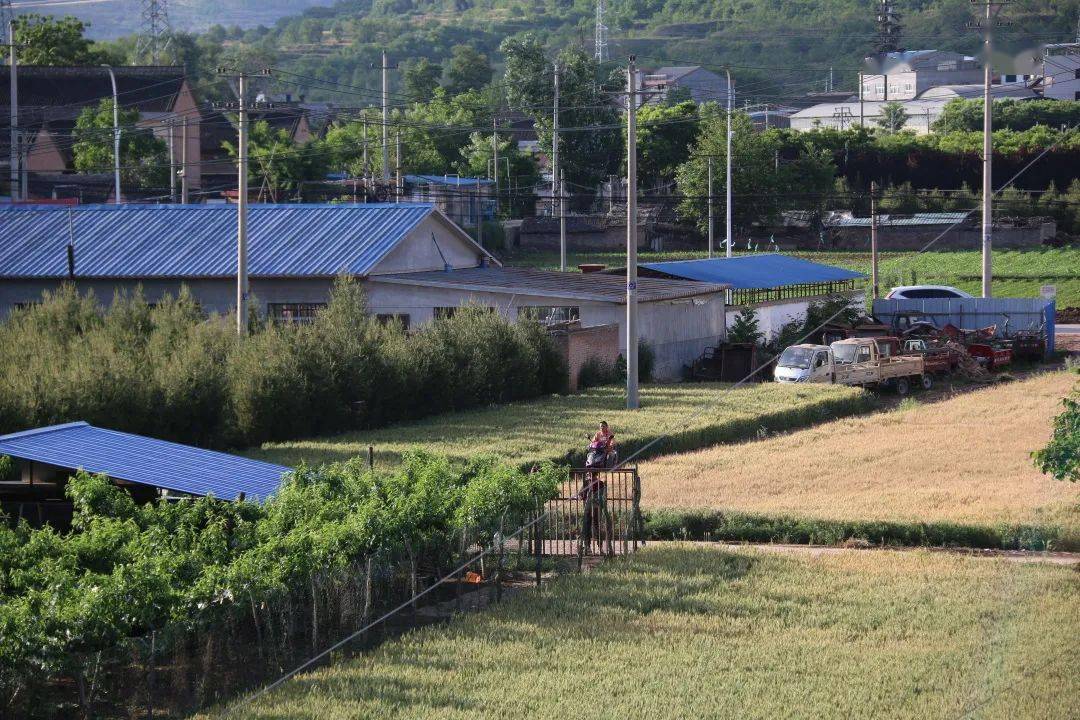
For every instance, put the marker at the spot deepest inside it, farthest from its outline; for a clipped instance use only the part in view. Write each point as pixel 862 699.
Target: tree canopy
pixel 47 40
pixel 144 161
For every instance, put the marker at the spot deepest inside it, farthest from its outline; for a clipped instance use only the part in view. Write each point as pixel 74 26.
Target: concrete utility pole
pixel 399 185
pixel 730 101
pixel 172 160
pixel 991 8
pixel 562 217
pixel 495 157
pixel 710 209
pixel 15 190
pixel 384 67
pixel 241 205
pixel 632 402
pixel 862 111
pixel 241 216
pixel 556 191
pixel 116 134
pixel 367 165
pixel 873 240
pixel 183 162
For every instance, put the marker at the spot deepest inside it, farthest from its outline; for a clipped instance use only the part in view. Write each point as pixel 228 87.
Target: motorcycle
pixel 601 455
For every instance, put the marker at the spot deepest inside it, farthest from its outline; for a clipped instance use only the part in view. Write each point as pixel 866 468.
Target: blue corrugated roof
pixel 449 180
pixel 200 240
pixel 748 272
pixel 146 461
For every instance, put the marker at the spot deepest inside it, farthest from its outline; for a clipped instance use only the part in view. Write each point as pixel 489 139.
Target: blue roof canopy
pixel 199 241
pixel 754 272
pixel 146 461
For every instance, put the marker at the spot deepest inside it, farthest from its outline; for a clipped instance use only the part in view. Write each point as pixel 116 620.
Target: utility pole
pixel 15 194
pixel 116 135
pixel 495 156
pixel 710 208
pixel 384 67
pixel 172 160
pixel 632 402
pixel 399 185
pixel 479 216
pixel 991 8
pixel 183 162
pixel 556 191
pixel 241 206
pixel 367 165
pixel 862 112
pixel 562 218
pixel 730 100
pixel 873 241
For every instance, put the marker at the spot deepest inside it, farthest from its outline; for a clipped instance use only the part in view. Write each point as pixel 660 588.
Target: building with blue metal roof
pixel 147 467
pixel 779 287
pixel 294 251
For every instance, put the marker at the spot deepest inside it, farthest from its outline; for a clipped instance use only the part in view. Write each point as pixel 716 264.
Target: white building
pixel 413 262
pixel 1061 71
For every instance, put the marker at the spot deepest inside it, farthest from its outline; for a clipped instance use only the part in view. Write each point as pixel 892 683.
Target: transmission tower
pixel 156 34
pixel 888 28
pixel 601 53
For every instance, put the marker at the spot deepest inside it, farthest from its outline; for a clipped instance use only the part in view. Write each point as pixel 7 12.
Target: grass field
pixel 1016 273
pixel 549 428
pixel 962 460
pixel 698 632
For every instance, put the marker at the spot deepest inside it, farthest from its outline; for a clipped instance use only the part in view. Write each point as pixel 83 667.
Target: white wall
pixel 678 330
pixel 772 316
pixel 417 253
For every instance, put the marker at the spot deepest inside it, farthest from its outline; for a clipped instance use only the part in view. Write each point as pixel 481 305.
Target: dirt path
pixel 1070 559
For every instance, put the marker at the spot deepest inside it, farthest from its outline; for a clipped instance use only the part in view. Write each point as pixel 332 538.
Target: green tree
pixel 143 157
pixel 745 328
pixel 763 185
pixel 591 141
pixel 467 70
pixel 1061 456
pixel 46 40
pixel 420 78
pixel 476 161
pixel 276 166
pixel 893 117
pixel 665 136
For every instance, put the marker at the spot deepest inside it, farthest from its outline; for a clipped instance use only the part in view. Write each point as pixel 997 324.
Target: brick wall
pixel 578 344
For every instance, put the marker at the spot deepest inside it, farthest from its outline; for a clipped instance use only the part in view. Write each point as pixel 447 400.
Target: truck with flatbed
pixel 865 362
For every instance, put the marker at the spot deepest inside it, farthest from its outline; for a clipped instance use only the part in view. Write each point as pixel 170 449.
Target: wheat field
pixel 965 459
pixel 697 632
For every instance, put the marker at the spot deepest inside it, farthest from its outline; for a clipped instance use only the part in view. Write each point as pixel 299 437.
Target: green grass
pixel 552 427
pixel 1018 273
pixel 694 632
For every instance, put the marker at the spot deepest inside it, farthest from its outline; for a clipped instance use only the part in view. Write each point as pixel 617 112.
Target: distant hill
pixel 113 18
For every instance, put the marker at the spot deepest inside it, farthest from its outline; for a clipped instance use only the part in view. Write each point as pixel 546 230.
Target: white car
pixel 924 292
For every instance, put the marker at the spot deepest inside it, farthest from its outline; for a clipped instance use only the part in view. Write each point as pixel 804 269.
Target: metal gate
pixel 597 512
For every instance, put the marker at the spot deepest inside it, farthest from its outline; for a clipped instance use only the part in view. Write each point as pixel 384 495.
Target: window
pixel 551 314
pixel 387 318
pixel 445 313
pixel 947 65
pixel 864 354
pixel 293 312
pixel 1076 73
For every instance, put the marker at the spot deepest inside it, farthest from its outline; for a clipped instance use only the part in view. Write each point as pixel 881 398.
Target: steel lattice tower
pixel 888 28
pixel 601 52
pixel 156 35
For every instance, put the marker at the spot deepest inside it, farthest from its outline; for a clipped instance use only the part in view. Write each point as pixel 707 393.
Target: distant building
pixel 699 84
pixel 462 199
pixel 907 74
pixel 51 98
pixel 922 112
pixel 1061 71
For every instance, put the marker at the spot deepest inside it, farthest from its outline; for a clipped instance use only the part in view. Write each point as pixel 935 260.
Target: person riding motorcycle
pixel 602 451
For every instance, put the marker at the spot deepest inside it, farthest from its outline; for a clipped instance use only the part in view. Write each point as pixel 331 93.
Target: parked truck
pixel 866 362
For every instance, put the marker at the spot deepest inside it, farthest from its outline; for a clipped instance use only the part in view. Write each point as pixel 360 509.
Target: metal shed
pixel 141 460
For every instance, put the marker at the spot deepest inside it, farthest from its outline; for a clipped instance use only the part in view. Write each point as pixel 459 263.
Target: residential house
pixel 702 85
pixel 1061 71
pixel 413 261
pixel 51 98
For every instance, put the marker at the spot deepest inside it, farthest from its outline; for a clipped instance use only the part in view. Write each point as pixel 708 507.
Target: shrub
pixel 170 372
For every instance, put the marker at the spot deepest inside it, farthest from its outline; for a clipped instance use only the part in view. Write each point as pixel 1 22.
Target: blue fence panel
pixel 1015 314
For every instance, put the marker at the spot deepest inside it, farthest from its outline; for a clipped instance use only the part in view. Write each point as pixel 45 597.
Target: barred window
pixel 293 312
pixel 551 314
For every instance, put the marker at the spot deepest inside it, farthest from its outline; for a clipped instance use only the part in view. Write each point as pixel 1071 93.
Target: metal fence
pixel 1010 315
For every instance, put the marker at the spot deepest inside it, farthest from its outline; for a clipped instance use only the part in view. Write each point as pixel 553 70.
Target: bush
pixel 168 371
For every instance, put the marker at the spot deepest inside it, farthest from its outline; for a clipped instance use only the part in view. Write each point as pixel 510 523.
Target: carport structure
pixel 147 467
